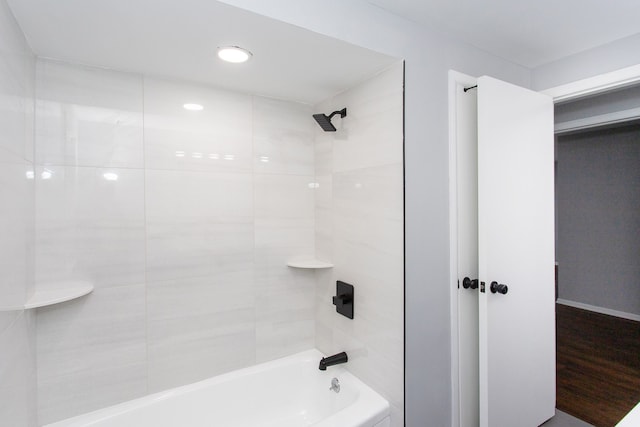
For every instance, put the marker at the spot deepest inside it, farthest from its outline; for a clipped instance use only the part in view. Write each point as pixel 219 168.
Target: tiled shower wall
pixel 359 227
pixel 17 326
pixel 182 220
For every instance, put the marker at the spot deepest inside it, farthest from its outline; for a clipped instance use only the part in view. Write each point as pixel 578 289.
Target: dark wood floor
pixel 598 365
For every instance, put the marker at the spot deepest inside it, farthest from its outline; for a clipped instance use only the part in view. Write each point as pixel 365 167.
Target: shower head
pixel 325 121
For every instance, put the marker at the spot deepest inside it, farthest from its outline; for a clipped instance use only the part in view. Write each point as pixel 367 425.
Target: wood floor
pixel 598 365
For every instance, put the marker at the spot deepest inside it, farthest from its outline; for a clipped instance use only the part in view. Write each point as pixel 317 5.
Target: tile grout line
pixel 146 239
pixel 254 285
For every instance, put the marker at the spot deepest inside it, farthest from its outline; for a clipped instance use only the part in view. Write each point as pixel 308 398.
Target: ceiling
pixel 178 39
pixel 527 32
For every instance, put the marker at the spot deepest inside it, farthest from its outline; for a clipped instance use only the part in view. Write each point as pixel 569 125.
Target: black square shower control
pixel 344 299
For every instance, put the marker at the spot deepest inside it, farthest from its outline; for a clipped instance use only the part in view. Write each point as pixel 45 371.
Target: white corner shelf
pixel 309 263
pixel 54 295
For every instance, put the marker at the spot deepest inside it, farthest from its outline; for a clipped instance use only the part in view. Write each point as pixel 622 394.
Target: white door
pixel 516 249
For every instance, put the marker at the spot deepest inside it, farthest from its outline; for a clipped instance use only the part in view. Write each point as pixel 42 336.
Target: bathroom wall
pixel 182 220
pixel 359 228
pixel 17 328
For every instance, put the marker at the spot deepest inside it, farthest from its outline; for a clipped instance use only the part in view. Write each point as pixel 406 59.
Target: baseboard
pixel 601 310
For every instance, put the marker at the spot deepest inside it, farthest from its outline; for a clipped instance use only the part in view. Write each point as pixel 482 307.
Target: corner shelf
pixel 310 263
pixel 64 292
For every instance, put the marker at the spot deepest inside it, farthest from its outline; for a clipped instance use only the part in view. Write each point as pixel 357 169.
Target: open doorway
pixel 598 255
pixel 461 132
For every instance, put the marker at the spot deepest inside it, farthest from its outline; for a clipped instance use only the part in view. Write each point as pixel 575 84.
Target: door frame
pixel 613 80
pixel 455 79
pixel 617 79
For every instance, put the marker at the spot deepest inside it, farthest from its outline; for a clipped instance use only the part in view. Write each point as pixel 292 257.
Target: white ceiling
pixel 527 32
pixel 178 39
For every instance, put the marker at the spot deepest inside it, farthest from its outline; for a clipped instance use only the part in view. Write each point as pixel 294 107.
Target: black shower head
pixel 325 121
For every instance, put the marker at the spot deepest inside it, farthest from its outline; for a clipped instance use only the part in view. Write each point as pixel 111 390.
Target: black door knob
pixel 501 289
pixel 468 283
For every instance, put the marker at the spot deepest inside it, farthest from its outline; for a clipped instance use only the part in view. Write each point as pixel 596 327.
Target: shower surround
pixel 184 221
pixel 17 328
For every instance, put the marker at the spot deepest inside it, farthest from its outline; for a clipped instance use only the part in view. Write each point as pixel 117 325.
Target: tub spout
pixel 333 360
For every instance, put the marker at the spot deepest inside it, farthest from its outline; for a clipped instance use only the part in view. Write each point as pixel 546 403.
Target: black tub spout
pixel 336 359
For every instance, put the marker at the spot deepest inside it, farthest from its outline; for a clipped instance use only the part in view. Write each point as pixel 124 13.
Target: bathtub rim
pixel 368 399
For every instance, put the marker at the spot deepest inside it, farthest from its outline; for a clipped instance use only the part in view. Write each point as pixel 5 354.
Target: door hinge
pixel 482 287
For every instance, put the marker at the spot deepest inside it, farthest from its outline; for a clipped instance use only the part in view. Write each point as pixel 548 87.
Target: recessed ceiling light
pixel 234 54
pixel 193 107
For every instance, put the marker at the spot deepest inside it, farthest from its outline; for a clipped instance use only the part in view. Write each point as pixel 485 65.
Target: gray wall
pixel 429 55
pixel 17 329
pixel 598 203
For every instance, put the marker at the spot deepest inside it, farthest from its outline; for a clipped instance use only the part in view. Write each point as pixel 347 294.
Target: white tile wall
pixel 16 89
pixel 371 133
pixel 359 227
pixel 200 233
pixel 187 247
pixel 282 137
pixel 17 329
pixel 18 373
pixel 200 327
pixel 198 223
pixel 13 120
pixel 88 117
pixel 187 242
pixel 285 317
pixel 16 151
pixel 89 227
pixel 15 52
pixel 285 295
pixel 91 352
pixel 16 229
pixel 218 138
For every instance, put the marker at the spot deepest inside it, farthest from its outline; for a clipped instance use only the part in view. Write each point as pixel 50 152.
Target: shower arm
pixel 343 113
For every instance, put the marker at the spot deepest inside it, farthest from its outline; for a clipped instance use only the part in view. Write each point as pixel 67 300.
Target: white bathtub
pixel 288 392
